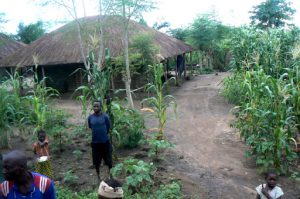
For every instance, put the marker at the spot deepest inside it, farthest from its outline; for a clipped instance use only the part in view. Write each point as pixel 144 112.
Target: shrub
pixel 138 174
pixel 128 125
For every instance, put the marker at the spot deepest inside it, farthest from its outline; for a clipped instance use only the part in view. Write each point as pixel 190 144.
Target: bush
pixel 128 126
pixel 170 191
pixel 140 181
pixel 138 174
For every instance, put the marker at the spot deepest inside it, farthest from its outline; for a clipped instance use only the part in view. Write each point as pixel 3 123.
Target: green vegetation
pixel 66 193
pixel 70 178
pixel 128 126
pixel 272 14
pixel 97 88
pixel 265 87
pixel 159 102
pixel 31 32
pixel 140 181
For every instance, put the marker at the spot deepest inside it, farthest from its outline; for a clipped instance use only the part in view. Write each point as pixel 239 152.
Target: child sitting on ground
pixel 110 188
pixel 269 190
pixel 41 149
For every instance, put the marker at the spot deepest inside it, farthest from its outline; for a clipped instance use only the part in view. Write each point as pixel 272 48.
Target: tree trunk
pixel 191 64
pixel 79 35
pixel 127 78
pixel 101 50
pixel 176 72
pixel 44 76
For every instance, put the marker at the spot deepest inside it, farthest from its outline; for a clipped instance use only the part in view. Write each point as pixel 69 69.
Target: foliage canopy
pixel 31 32
pixel 272 13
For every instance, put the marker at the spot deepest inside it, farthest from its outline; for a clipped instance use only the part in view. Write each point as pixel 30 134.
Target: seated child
pixel 269 190
pixel 41 148
pixel 110 188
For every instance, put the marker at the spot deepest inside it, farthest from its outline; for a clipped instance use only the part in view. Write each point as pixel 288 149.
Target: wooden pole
pixel 184 66
pixel 191 65
pixel 43 74
pixel 168 66
pixel 166 70
pixel 176 72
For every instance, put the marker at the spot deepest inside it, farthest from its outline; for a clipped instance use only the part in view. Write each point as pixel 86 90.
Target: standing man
pixel 21 183
pixel 101 148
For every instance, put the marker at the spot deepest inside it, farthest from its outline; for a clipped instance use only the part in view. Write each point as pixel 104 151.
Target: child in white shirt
pixel 269 190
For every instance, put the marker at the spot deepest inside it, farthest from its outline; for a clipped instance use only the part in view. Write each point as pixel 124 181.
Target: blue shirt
pixel 41 188
pixel 99 123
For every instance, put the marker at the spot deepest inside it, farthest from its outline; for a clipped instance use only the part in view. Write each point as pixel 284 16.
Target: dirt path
pixel 208 154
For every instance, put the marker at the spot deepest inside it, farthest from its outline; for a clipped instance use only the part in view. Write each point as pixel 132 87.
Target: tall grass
pixel 97 87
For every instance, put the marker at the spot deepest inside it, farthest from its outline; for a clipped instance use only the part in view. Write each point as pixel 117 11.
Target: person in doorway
pixel 269 190
pixel 41 149
pixel 99 123
pixel 22 184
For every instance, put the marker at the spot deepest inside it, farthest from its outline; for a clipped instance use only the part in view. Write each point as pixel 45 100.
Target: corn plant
pixel 98 85
pixel 265 87
pixel 7 111
pixel 159 102
pixel 38 98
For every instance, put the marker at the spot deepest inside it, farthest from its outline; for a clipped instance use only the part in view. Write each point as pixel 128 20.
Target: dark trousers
pixel 102 151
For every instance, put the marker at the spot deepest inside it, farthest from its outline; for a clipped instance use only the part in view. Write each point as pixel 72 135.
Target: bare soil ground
pixel 208 156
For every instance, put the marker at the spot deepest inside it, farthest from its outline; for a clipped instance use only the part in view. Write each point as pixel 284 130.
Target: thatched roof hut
pixel 8 46
pixel 62 47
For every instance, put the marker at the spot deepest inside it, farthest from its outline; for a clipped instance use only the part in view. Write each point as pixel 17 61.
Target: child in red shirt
pixel 41 148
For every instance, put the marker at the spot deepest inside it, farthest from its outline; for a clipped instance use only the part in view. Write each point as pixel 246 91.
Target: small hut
pixel 58 53
pixel 7 47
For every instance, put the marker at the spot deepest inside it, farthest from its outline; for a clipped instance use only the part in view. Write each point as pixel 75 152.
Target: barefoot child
pixel 41 149
pixel 269 190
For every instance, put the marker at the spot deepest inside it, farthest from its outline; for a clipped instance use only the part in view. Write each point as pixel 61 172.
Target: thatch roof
pixel 62 47
pixel 8 45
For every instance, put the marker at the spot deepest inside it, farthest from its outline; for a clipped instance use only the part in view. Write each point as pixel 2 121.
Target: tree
pixel 31 32
pixel 129 9
pixel 179 33
pixel 272 14
pixel 205 34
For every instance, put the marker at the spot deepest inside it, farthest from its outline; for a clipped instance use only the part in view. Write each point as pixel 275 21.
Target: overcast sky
pixel 178 13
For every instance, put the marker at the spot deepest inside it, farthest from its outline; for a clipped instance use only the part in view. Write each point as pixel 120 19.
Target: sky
pixel 177 13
